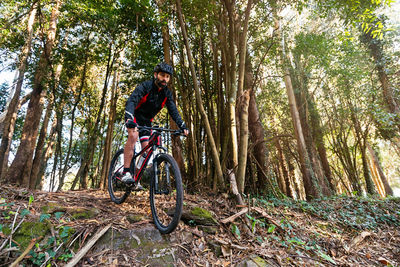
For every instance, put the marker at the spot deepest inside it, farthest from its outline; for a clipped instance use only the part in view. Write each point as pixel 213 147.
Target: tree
pixel 11 113
pixel 20 169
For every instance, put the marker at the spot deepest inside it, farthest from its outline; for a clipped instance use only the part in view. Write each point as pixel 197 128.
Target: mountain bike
pixel 166 191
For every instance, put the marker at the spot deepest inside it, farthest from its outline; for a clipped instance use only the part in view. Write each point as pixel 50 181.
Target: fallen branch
pixel 22 256
pixel 356 241
pixel 267 216
pixel 234 216
pixel 87 247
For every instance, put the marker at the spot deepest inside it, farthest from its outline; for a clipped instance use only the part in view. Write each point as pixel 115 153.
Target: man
pixel 145 102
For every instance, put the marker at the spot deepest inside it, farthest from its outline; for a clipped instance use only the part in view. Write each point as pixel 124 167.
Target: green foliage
pixel 235 230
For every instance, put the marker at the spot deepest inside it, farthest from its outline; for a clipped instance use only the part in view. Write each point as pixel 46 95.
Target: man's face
pixel 162 79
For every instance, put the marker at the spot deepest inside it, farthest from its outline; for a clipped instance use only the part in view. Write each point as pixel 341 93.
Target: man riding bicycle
pixel 143 105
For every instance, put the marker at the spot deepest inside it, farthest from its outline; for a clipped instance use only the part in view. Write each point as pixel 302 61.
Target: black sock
pixel 126 170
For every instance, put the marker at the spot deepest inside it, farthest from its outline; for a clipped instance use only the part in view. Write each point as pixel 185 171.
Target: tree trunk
pixel 46 154
pixel 244 138
pixel 93 138
pixel 20 169
pixel 244 99
pixel 11 111
pixel 256 129
pixel 376 50
pixel 75 105
pixel 176 141
pixel 306 109
pixel 198 96
pixel 110 130
pixel 388 189
pixel 285 172
pixel 40 145
pixel 309 181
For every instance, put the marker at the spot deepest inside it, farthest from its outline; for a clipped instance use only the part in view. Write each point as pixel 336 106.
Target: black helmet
pixel 164 67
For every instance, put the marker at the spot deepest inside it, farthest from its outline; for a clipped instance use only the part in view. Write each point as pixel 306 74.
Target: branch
pixel 22 256
pixel 87 247
pixel 233 217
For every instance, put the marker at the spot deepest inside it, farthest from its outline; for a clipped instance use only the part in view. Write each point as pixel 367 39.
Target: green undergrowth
pixel 358 213
pixel 48 234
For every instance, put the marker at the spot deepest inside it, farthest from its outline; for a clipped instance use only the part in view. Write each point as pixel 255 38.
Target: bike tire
pixel 166 207
pixel 116 188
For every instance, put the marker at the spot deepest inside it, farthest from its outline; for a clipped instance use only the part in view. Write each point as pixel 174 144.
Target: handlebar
pixel 161 129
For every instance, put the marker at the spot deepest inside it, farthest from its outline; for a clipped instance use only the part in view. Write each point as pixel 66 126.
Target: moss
pixel 29 231
pixel 259 261
pixel 82 213
pixel 204 214
pixel 134 218
pixel 6 230
pixel 52 208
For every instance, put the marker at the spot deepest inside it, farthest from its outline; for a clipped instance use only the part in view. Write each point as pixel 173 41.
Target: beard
pixel 161 83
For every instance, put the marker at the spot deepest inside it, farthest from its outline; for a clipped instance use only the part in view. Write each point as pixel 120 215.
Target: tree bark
pixel 40 145
pixel 382 176
pixel 20 169
pixel 11 111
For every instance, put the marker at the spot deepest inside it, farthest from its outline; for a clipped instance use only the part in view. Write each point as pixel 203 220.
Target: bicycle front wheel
pixel 116 188
pixel 166 194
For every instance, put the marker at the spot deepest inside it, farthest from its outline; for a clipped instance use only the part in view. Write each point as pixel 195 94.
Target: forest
pixel 293 151
pixel 282 98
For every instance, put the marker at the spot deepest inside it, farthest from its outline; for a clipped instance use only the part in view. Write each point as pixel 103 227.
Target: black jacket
pixel 146 101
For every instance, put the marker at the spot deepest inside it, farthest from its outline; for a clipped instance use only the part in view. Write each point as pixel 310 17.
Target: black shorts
pixel 143 134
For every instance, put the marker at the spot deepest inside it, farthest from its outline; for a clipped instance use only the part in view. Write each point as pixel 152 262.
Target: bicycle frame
pixel 155 143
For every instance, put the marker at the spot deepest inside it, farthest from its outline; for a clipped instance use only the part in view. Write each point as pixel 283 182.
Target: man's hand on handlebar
pixel 130 124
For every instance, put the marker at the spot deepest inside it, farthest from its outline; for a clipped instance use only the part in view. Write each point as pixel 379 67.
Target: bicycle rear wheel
pixel 117 189
pixel 166 194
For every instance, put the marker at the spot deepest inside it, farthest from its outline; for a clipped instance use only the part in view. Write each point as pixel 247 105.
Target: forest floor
pixel 339 231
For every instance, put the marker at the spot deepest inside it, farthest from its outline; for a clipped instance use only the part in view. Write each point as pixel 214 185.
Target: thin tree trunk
pixel 375 178
pixel 309 181
pixel 231 83
pixel 20 169
pixel 46 154
pixel 110 131
pixel 176 141
pixel 11 112
pixel 306 109
pixel 244 99
pixel 198 96
pixel 382 176
pixel 93 138
pixel 76 102
pixel 376 50
pixel 285 172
